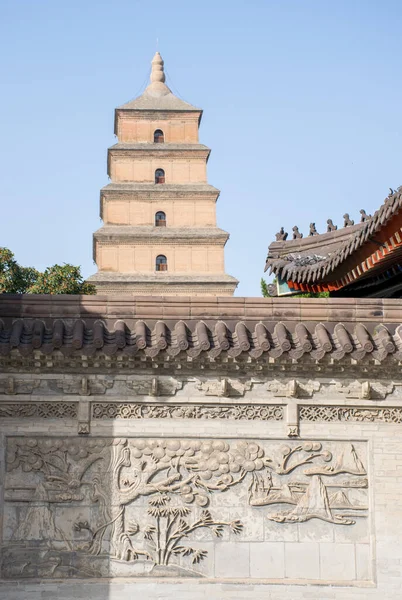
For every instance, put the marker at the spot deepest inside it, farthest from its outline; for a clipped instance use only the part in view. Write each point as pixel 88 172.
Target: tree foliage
pixel 58 279
pixel 264 288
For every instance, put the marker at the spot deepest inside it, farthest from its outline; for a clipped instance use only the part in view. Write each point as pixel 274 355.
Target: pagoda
pixel 159 233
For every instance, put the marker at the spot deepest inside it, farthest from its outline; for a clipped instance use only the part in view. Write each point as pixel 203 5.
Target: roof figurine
pixel 331 226
pixel 347 220
pixel 358 260
pixel 313 230
pixel 296 233
pixel 282 235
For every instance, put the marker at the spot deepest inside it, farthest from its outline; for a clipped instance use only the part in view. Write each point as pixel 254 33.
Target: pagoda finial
pixel 157 86
pixel 157 72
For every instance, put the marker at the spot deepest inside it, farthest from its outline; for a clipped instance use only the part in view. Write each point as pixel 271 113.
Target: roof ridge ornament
pixel 296 233
pixel 348 222
pixel 331 226
pixel 281 235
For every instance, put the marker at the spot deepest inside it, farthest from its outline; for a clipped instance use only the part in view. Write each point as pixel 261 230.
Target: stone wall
pixel 201 486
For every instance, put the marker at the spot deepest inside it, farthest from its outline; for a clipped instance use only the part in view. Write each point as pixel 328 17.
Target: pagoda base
pixel 163 284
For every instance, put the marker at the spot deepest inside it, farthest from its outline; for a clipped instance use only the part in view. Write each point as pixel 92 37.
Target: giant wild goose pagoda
pixel 163 439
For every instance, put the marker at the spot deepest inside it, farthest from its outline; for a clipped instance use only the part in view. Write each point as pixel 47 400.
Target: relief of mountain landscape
pixel 138 507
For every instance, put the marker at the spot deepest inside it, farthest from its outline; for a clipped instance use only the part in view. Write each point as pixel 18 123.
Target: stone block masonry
pixel 234 474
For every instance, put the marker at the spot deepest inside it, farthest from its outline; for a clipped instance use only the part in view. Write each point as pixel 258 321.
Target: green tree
pixel 58 279
pixel 14 279
pixel 264 288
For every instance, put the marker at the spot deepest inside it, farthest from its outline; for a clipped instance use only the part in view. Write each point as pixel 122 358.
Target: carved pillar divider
pixel 292 418
pixel 84 416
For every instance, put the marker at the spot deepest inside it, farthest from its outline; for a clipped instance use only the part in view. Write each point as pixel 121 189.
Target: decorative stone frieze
pixel 131 410
pixel 224 387
pixel 175 507
pixel 293 388
pixel 346 413
pixel 83 386
pixel 40 410
pixel 11 385
pixel 154 386
pixel 366 390
pixel 83 427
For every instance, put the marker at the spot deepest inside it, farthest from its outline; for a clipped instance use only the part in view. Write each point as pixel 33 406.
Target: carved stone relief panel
pixel 213 508
pixel 155 386
pixel 314 414
pixel 131 410
pixel 41 410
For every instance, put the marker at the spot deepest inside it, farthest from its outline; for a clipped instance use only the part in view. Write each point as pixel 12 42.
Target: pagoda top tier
pixel 157 95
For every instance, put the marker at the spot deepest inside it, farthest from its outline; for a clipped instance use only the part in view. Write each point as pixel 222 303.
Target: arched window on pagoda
pixel 159 136
pixel 159 176
pixel 160 219
pixel 161 263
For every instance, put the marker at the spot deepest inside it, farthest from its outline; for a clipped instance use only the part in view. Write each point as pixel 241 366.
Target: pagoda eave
pixel 171 284
pixel 160 235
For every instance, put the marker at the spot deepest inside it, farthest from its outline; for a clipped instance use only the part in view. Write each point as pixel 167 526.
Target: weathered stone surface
pixel 93 457
pixel 135 505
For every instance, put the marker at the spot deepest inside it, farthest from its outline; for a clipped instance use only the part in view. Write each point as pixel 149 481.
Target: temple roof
pixel 370 246
pixel 157 96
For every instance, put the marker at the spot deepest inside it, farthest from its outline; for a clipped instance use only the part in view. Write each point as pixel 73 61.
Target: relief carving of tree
pixel 191 470
pixel 180 478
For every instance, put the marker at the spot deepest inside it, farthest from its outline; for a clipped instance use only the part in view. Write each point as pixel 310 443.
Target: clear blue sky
pixel 302 109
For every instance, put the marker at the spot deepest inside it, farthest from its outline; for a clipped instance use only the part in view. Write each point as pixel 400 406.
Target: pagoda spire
pixel 157 86
pixel 157 72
